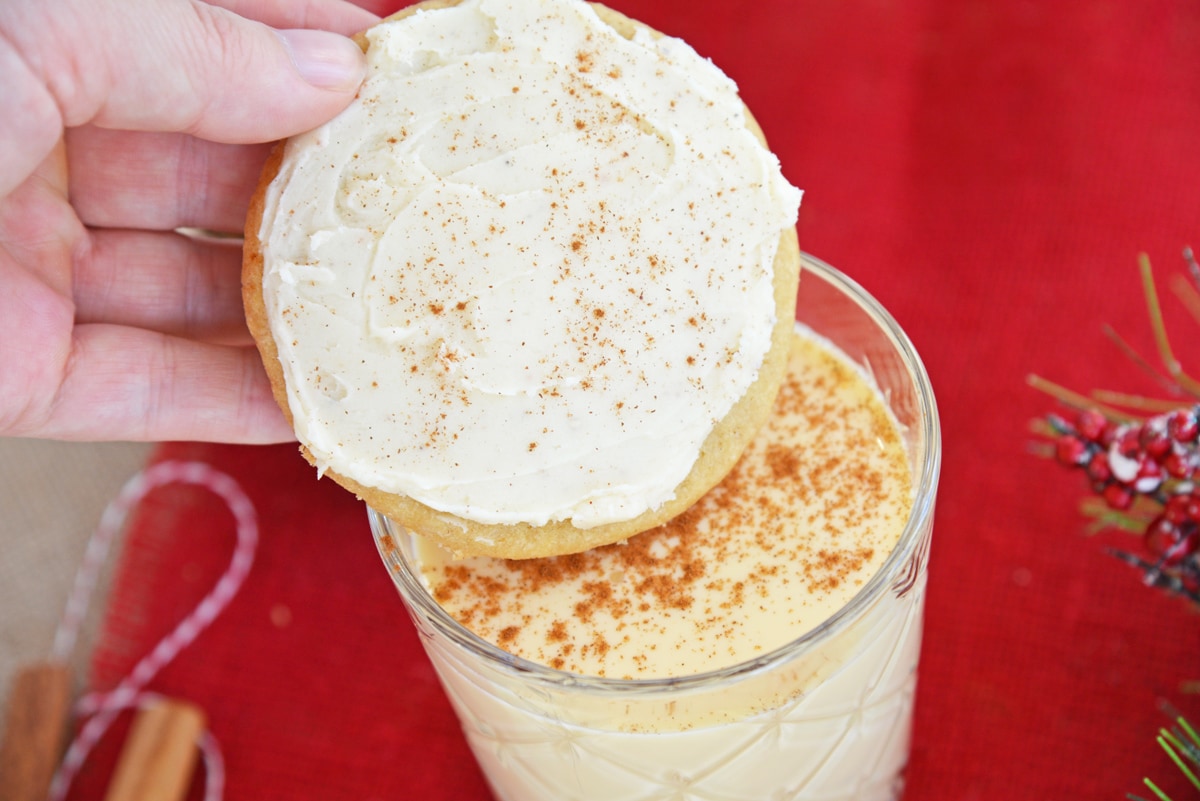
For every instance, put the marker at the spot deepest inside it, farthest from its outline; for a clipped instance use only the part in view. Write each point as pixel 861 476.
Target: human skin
pixel 124 121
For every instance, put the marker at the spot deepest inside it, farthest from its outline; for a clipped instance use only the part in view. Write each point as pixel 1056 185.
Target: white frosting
pixel 521 277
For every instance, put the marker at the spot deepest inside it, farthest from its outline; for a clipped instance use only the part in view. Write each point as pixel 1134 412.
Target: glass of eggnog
pixel 762 645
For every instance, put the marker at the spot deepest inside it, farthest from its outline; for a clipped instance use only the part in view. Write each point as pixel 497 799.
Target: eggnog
pixel 808 515
pixel 761 646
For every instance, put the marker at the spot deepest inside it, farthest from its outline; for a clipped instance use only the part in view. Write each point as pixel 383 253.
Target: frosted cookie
pixel 532 291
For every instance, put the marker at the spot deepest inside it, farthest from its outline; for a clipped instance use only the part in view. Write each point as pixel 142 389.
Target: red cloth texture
pixel 990 171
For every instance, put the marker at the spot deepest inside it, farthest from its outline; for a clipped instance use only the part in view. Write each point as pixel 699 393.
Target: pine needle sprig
pixel 1182 746
pixel 1141 455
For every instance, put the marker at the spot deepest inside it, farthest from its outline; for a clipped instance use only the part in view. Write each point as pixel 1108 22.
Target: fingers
pixel 131 384
pixel 159 181
pixel 327 15
pixel 206 71
pixel 180 65
pixel 163 282
pixel 31 126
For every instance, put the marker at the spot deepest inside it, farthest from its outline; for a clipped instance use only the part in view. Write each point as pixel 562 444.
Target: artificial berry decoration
pixel 1154 439
pixel 1172 543
pixel 1118 495
pixel 1073 451
pixel 1183 425
pixel 1091 425
pixel 1147 471
pixel 1179 463
pixel 1098 470
pixel 1139 456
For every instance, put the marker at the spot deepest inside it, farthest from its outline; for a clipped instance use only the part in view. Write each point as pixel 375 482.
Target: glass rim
pixel 925 480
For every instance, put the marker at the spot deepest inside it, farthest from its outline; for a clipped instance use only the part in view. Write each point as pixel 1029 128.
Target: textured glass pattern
pixel 845 738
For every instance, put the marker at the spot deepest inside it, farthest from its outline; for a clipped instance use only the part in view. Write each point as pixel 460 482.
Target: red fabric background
pixel 990 171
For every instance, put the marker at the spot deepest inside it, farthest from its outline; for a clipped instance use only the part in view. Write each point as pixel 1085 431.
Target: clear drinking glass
pixel 825 717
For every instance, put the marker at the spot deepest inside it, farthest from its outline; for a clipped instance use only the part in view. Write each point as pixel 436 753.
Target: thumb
pixel 191 67
pixel 169 65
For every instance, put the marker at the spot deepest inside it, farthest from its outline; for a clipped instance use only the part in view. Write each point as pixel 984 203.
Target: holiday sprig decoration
pixel 1141 455
pixel 1182 745
pixel 1147 474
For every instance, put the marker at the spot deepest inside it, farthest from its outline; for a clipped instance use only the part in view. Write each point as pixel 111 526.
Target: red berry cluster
pixel 1158 459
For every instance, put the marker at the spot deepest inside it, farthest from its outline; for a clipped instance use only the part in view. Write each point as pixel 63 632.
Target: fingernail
pixel 326 60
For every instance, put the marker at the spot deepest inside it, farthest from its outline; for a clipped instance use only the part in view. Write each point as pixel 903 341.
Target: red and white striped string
pixel 101 708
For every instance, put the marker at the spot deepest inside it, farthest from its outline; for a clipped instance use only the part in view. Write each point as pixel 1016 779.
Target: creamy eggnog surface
pixel 809 514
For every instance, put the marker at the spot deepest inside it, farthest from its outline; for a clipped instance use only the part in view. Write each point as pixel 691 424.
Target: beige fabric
pixel 51 498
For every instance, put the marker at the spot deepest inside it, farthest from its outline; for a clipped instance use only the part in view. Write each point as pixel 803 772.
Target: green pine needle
pixel 1167 741
pixel 1177 750
pixel 1159 794
pixel 1182 745
pixel 1194 753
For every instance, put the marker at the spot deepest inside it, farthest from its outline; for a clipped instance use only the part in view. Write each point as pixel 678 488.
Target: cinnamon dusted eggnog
pixel 762 646
pixel 808 515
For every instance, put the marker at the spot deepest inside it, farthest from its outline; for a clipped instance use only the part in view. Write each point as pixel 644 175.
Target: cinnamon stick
pixel 35 730
pixel 159 754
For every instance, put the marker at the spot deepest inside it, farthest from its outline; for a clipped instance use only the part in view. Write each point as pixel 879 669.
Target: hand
pixel 122 121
